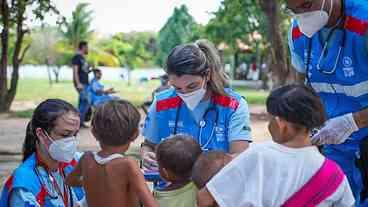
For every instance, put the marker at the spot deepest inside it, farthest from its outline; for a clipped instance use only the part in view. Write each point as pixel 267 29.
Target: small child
pixel 176 157
pixel 208 165
pixel 287 171
pixel 108 177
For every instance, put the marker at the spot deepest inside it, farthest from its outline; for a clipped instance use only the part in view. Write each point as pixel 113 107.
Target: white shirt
pixel 267 174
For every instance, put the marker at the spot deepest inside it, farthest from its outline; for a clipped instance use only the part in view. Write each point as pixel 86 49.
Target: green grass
pixel 37 90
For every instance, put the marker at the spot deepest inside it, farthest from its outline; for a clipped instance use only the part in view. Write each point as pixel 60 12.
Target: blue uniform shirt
pixel 239 124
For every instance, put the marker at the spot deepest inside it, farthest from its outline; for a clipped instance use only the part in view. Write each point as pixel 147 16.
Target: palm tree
pixel 78 28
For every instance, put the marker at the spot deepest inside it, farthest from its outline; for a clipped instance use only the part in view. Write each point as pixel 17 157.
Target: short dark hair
pixel 115 122
pixel 208 165
pixel 178 154
pixel 82 44
pixel 96 70
pixel 297 104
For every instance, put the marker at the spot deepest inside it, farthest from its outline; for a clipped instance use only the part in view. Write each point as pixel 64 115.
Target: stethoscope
pixel 53 195
pixel 202 124
pixel 325 47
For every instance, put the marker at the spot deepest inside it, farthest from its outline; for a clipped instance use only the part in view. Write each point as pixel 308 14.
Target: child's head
pixel 115 123
pixel 295 110
pixel 208 165
pixel 176 156
pixel 97 73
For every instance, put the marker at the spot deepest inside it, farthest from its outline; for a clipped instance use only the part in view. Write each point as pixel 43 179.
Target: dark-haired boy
pixel 208 165
pixel 176 157
pixel 108 177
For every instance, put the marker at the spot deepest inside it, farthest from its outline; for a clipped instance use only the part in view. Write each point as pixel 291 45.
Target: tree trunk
pixel 7 95
pixel 279 68
pixel 4 56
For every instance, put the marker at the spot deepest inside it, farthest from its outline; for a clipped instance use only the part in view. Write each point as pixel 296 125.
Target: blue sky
pixel 111 16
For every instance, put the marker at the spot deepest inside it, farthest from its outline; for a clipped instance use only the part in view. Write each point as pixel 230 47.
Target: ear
pixel 282 124
pixel 166 175
pixel 42 137
pixel 135 136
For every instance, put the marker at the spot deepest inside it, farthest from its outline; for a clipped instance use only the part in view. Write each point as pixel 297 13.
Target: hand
pixel 336 130
pixel 149 161
pixel 110 90
pixel 79 87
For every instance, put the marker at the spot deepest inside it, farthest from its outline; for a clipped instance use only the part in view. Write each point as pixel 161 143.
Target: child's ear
pixel 135 136
pixel 165 174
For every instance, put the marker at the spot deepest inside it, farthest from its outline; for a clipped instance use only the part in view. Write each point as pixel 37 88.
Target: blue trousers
pixel 345 155
pixel 84 102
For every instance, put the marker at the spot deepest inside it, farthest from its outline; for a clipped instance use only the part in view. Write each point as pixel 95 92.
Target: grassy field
pixel 37 90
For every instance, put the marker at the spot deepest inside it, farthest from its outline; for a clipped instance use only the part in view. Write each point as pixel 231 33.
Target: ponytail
pixel 29 145
pixel 218 78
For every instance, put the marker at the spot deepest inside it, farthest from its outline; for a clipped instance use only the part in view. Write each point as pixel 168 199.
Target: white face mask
pixel 311 22
pixel 192 99
pixel 63 150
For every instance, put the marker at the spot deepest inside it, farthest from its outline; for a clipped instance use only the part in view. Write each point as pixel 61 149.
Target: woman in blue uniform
pixel 48 156
pixel 329 48
pixel 198 104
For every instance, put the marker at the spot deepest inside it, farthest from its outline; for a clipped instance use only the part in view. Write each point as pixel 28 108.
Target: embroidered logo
pixel 348 69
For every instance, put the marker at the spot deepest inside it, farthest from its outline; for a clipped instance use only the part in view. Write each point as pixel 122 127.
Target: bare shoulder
pixel 126 164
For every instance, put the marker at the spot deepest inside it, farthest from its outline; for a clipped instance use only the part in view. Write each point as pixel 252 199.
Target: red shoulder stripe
pixel 41 196
pixel 226 101
pixel 9 183
pixel 296 33
pixel 356 25
pixel 169 103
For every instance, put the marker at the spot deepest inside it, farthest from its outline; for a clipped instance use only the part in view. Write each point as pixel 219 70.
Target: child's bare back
pixel 111 184
pixel 109 178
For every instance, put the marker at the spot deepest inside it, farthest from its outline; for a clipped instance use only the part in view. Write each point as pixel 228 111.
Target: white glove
pixel 149 161
pixel 336 130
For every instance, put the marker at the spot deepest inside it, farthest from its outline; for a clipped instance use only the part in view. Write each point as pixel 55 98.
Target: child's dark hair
pixel 208 165
pixel 44 117
pixel 297 104
pixel 115 123
pixel 178 154
pixel 200 58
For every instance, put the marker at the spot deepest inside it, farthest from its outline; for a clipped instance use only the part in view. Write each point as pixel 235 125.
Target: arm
pixel 76 77
pixel 239 129
pixel 205 199
pixel 22 197
pixel 361 118
pixel 150 133
pixel 237 147
pixel 139 185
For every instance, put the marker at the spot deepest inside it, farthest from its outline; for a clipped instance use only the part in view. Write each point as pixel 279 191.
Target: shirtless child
pixel 108 177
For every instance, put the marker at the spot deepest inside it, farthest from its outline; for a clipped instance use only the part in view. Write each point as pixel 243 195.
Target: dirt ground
pixel 12 131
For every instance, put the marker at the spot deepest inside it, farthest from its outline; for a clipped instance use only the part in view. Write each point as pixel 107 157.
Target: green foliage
pixel 78 28
pixel 180 28
pixel 133 50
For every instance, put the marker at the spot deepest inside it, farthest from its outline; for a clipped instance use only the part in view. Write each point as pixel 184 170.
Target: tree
pixel 78 28
pixel 13 21
pixel 280 67
pixel 180 28
pixel 236 20
pixel 136 49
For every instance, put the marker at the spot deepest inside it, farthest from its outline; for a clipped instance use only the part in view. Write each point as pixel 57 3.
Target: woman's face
pixel 187 83
pixel 66 126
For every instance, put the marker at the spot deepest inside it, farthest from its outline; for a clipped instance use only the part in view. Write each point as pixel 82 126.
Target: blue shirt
pixel 239 125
